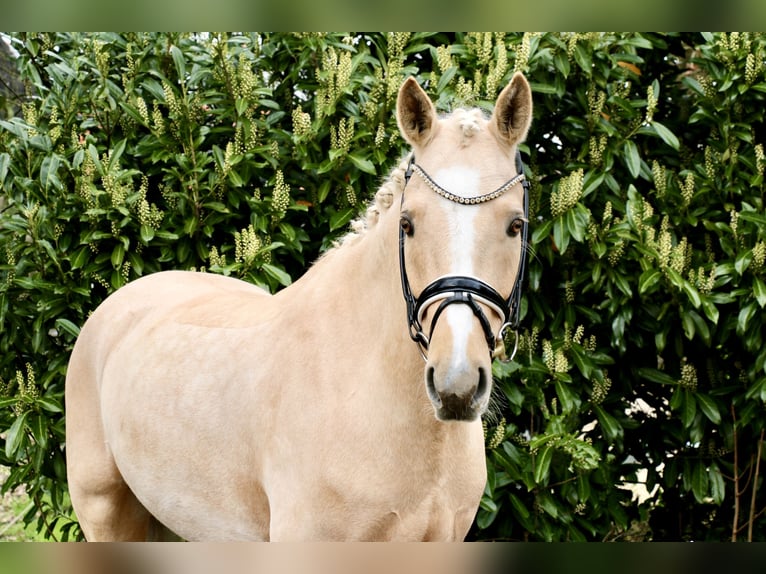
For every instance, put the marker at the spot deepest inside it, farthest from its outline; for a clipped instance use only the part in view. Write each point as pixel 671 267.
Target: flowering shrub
pixel 641 356
pixel 642 359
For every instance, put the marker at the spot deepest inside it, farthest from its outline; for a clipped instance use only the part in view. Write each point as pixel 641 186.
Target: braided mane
pixel 384 198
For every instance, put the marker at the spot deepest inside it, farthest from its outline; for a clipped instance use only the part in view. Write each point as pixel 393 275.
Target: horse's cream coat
pixel 202 405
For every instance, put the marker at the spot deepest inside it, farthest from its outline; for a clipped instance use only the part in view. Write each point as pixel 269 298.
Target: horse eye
pixel 406 225
pixel 516 226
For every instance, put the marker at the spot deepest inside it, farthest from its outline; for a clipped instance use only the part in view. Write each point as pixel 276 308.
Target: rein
pixel 464 289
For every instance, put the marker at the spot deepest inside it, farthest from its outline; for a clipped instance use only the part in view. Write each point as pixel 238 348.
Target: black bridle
pixel 463 289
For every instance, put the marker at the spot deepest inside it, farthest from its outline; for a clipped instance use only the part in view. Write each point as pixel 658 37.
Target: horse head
pixel 462 224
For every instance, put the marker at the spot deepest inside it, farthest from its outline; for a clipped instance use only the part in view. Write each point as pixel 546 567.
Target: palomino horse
pixel 202 405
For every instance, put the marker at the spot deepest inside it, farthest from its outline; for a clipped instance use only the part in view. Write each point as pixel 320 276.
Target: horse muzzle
pixel 458 396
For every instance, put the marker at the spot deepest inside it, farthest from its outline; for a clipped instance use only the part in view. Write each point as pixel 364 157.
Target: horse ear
pixel 415 113
pixel 513 110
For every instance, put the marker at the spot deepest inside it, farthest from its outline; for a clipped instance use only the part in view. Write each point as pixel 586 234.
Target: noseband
pixel 463 289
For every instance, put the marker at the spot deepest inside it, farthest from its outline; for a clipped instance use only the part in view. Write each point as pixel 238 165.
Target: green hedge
pixel 247 155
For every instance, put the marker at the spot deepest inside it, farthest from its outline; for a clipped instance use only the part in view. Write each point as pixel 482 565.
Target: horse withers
pixel 202 406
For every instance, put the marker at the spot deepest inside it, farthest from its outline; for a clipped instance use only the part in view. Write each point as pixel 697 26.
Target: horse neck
pixel 356 288
pixel 354 296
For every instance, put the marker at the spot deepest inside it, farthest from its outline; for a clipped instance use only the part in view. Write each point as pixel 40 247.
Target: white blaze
pixel 460 224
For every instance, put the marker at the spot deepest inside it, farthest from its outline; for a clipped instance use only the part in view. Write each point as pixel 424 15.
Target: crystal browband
pixel 465 200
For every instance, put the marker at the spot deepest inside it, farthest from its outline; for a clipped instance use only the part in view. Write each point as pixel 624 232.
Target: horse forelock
pixel 469 122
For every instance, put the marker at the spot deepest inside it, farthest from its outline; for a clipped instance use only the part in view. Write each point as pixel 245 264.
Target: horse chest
pixel 438 515
pixel 378 496
pixel 443 515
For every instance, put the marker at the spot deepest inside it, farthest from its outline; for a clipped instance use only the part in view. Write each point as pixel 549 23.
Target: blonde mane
pixel 384 198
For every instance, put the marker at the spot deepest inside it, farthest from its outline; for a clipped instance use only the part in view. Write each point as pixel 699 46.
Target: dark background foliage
pixel 641 358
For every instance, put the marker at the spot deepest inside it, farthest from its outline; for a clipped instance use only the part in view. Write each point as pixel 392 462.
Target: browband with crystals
pixel 459 198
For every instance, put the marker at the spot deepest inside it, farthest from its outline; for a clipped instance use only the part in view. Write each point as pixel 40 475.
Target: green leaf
pixel 711 311
pixel 18 128
pixel 543 463
pixel 560 234
pixel 49 405
pixel 612 429
pixel 717 484
pixel 753 216
pixel 693 323
pixel 699 481
pixel 235 179
pixel 688 326
pixel 744 317
pixel 5 161
pixel 216 206
pixel 276 273
pixel 583 363
pixel 146 234
pixel 8 401
pixel 116 154
pixel 241 105
pixel 94 155
pixel 632 158
pixel 518 506
pixel 488 504
pixel 742 262
pixel 38 425
pixel 709 408
pixel 546 501
pixel 541 232
pixel 49 172
pixel 759 290
pixel 168 235
pixel 445 79
pixel 132 112
pixel 362 163
pixel 648 280
pixel 688 408
pixel 667 136
pixel 485 518
pixel 178 60
pixel 489 487
pixel 700 325
pixel 118 255
pixel 692 294
pixel 622 283
pixel 324 190
pixel 67 326
pixel 567 398
pixel 693 83
pixel 48 248
pixel 15 435
pixel 690 290
pixel 583 59
pixel 341 218
pixel 562 65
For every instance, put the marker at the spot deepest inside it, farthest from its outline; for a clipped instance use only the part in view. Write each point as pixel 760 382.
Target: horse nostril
pixel 431 387
pixel 482 385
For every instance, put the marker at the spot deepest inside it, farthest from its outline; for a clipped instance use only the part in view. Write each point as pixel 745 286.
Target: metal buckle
pixel 503 355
